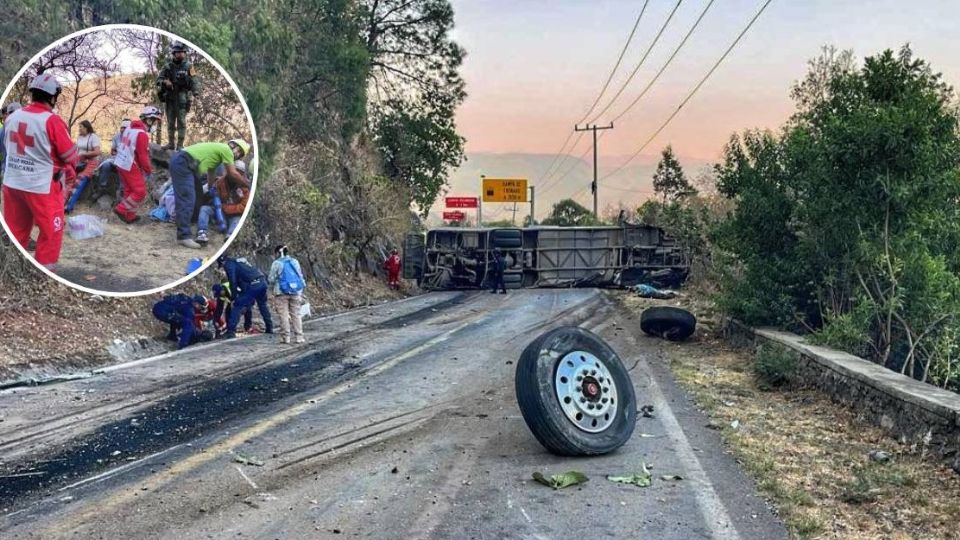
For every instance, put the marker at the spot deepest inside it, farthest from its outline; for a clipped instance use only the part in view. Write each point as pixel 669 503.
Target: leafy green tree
pixel 669 181
pixel 415 86
pixel 847 221
pixel 419 147
pixel 570 213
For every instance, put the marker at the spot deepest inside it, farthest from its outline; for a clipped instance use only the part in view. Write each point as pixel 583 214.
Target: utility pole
pixel 532 208
pixel 514 218
pixel 480 203
pixel 593 186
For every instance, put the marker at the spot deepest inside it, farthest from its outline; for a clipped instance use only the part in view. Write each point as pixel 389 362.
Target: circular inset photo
pixel 129 160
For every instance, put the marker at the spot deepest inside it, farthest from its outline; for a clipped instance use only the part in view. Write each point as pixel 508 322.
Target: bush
pixel 846 222
pixel 774 367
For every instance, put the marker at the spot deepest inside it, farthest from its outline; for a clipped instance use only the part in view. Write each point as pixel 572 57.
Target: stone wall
pixel 916 413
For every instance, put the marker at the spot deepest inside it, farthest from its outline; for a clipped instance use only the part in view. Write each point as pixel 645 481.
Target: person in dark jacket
pixel 179 310
pixel 499 265
pixel 249 286
pixel 224 298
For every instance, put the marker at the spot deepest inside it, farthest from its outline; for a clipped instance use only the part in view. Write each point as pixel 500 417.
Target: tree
pixel 419 147
pixel 847 222
pixel 84 70
pixel 416 88
pixel 570 213
pixel 669 181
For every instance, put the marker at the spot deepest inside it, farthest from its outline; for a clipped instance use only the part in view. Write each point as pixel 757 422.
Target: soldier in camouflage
pixel 176 87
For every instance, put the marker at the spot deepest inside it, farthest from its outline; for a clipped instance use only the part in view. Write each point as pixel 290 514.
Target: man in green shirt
pixel 187 168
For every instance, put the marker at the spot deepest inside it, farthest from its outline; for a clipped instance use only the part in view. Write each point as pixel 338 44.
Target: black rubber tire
pixel 670 323
pixel 541 408
pixel 513 281
pixel 506 238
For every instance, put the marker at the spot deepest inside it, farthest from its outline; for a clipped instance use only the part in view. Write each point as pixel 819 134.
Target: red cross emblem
pixel 21 139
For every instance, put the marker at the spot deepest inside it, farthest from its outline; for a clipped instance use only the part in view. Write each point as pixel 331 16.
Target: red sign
pixel 461 202
pixel 454 216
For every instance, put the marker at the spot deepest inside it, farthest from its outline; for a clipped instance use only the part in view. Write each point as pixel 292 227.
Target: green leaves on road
pixel 247 460
pixel 641 479
pixel 560 481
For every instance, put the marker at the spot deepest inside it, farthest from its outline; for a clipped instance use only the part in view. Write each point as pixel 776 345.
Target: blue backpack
pixel 291 282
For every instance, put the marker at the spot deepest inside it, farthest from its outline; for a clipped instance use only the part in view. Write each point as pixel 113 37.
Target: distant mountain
pixel 630 186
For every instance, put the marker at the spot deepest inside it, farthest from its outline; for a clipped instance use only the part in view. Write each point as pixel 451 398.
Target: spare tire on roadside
pixel 575 394
pixel 670 323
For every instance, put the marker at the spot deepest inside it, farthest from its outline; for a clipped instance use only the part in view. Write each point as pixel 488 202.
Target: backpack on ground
pixel 291 282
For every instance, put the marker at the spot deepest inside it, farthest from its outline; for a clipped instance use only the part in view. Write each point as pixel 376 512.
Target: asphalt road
pixel 398 421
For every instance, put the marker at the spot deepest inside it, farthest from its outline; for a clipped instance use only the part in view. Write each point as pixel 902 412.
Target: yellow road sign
pixel 504 190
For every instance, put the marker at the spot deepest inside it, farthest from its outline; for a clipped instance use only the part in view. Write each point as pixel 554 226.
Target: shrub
pixel 774 366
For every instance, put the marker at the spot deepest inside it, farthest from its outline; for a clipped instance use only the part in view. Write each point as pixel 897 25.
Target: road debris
pixel 880 456
pixel 640 479
pixel 671 477
pixel 647 411
pixel 247 460
pixel 560 481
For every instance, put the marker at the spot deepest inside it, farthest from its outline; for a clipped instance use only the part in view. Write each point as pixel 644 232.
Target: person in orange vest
pixel 40 155
pixel 392 266
pixel 133 162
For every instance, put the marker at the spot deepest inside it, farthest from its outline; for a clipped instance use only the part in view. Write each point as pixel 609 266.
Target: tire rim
pixel 586 391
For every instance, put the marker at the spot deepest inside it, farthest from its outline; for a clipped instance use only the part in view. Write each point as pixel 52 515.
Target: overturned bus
pixel 461 258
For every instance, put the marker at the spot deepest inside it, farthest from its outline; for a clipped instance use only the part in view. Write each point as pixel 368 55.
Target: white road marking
pixel 194 348
pixel 712 511
pixel 245 477
pixel 107 474
pixel 524 512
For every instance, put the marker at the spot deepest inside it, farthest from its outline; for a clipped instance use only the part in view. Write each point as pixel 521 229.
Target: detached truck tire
pixel 575 394
pixel 670 323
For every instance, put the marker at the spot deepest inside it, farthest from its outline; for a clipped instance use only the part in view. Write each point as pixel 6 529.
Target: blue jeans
pixel 207 213
pixel 184 181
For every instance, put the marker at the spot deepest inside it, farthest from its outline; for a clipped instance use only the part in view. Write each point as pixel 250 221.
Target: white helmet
pixel 151 112
pixel 125 124
pixel 46 82
pixel 13 106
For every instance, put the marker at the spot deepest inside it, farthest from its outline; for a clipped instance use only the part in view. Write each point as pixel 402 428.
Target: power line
pixel 665 65
pixel 603 90
pixel 691 94
pixel 617 65
pixel 563 159
pixel 556 181
pixel 639 64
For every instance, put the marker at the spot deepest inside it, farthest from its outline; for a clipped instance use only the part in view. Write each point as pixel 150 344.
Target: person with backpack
pixel 287 283
pixel 249 286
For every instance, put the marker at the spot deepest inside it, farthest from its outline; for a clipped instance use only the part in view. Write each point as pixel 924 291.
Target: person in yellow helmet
pixel 187 169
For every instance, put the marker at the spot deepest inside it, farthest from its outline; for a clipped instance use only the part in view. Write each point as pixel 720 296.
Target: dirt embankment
pixel 48 329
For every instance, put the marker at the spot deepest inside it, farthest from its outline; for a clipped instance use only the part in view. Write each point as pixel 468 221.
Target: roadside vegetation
pixel 812 458
pixel 354 105
pixel 842 224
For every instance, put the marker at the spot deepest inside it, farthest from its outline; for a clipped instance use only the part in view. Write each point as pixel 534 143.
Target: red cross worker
pixel 40 154
pixel 133 162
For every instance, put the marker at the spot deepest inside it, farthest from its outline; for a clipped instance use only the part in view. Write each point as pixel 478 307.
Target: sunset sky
pixel 535 66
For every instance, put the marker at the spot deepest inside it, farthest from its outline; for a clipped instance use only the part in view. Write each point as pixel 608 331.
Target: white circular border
pixel 253 187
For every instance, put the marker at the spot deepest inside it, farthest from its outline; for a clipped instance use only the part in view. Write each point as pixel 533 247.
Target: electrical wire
pixel 691 94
